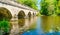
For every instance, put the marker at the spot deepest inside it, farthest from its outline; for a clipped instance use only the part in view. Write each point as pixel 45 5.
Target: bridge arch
pixel 29 14
pixel 21 14
pixel 5 13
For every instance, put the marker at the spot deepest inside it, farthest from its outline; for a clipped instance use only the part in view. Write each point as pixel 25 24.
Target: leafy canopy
pixel 30 3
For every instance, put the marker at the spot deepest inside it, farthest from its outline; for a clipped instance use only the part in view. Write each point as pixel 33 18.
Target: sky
pixel 39 4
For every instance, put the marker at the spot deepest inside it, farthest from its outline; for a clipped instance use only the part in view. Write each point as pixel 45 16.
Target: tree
pixel 30 3
pixel 57 7
pixel 44 6
pixel 47 7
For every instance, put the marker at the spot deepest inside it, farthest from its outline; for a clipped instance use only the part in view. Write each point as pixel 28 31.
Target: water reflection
pixel 45 25
pixel 42 25
pixel 21 22
pixel 20 25
pixel 50 23
pixel 57 23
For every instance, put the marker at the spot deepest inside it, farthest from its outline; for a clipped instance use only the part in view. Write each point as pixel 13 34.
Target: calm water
pixel 43 25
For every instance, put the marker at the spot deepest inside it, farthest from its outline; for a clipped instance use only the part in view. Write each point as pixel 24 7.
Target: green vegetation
pixel 57 7
pixel 21 14
pixel 5 26
pixel 5 14
pixel 38 14
pixel 47 7
pixel 50 7
pixel 30 3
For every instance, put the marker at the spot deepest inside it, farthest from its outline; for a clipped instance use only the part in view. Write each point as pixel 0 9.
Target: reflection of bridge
pixel 26 25
pixel 14 7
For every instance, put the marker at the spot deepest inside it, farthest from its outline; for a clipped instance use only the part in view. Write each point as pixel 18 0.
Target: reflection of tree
pixel 57 23
pixel 21 14
pixel 46 23
pixel 50 23
pixel 21 22
pixel 5 13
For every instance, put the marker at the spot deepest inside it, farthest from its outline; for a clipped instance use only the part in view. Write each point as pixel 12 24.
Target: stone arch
pixel 5 14
pixel 29 14
pixel 33 14
pixel 21 14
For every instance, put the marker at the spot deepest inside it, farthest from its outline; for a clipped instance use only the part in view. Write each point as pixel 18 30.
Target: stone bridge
pixel 15 7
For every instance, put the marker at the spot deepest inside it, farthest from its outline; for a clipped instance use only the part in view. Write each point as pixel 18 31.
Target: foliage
pixel 21 14
pixel 57 7
pixel 44 6
pixel 49 7
pixel 5 14
pixel 5 26
pixel 30 3
pixel 38 14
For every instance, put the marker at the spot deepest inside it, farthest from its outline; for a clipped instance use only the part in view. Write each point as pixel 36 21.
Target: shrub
pixel 5 26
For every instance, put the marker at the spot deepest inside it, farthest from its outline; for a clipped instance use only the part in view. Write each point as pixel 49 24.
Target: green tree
pixel 30 3
pixel 57 7
pixel 44 6
pixel 47 7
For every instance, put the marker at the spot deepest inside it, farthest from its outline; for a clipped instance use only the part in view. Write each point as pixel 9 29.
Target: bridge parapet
pixel 14 7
